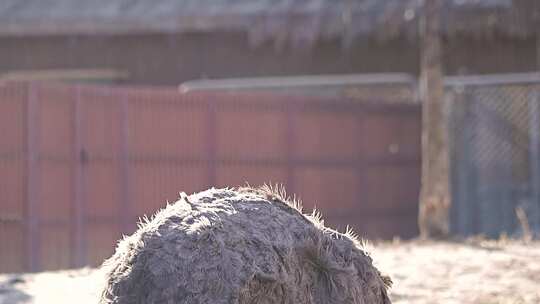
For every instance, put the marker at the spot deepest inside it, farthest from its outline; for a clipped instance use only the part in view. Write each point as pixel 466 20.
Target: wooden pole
pixel 435 196
pixel 534 122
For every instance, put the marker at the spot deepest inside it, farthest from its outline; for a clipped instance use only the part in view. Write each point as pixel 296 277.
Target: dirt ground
pixel 483 272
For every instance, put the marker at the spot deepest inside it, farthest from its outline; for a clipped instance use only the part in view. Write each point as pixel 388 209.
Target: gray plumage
pixel 240 246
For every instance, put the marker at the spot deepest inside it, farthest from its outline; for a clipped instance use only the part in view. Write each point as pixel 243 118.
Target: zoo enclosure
pixel 79 164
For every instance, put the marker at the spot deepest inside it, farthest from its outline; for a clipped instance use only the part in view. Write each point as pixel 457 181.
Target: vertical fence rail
pixel 534 151
pixel 211 142
pixel 78 234
pixel 290 140
pixel 362 191
pixel 126 214
pixel 32 182
pixel 476 203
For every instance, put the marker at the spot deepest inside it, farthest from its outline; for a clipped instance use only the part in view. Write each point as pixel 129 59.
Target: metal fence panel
pixel 494 131
pixel 79 164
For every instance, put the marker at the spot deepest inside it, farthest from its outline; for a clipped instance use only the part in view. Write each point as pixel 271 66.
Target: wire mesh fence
pixel 494 138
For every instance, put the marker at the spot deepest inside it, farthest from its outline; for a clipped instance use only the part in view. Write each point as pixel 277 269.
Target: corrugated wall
pixel 79 164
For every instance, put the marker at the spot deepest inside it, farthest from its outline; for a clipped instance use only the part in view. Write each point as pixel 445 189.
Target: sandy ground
pixel 423 272
pixel 472 272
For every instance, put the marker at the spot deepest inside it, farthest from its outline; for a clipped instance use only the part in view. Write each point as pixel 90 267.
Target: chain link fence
pixel 495 154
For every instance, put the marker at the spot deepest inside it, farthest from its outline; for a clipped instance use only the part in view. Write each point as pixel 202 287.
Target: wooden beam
pixel 435 193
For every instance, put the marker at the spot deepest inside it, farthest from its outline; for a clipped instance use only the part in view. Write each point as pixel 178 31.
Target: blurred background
pixel 109 109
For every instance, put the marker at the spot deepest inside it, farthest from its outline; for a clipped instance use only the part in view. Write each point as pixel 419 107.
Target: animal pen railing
pixel 79 164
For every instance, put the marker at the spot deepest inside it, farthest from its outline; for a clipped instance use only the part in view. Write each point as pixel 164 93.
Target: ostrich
pixel 245 245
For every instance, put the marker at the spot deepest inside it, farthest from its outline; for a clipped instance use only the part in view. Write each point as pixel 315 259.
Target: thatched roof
pixel 301 21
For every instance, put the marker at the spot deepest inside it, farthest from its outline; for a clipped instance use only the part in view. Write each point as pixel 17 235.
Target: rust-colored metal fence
pixel 79 164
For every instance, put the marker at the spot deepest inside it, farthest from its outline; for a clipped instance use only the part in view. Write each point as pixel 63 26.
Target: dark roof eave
pixel 270 25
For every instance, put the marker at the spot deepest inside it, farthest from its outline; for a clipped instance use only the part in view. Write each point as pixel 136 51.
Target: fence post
pixel 435 194
pixel 32 179
pixel 534 150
